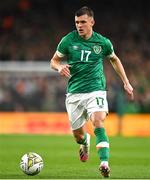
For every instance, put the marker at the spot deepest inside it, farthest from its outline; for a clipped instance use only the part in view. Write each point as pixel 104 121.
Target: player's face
pixel 84 25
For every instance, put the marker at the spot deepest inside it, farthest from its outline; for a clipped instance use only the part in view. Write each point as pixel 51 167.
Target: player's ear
pixel 92 22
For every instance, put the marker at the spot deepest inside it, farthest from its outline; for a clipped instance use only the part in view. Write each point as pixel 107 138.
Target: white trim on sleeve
pixel 59 54
pixel 111 55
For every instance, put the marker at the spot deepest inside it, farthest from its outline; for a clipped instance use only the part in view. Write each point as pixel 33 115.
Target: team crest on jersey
pixel 97 49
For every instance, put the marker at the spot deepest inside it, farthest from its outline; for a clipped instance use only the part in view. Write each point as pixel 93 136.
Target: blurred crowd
pixel 32 92
pixel 31 29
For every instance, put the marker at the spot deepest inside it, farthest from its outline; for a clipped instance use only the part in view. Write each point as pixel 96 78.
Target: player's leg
pixel 97 109
pixel 76 113
pixel 102 141
pixel 83 139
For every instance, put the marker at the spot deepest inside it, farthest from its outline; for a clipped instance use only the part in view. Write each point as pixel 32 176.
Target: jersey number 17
pixel 85 55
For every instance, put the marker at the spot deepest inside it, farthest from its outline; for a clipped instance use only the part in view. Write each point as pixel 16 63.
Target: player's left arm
pixel 117 65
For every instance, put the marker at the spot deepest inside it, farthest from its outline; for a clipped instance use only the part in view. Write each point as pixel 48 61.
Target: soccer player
pixel 85 51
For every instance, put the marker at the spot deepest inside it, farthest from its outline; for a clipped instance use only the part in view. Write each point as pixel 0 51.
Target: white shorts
pixel 80 106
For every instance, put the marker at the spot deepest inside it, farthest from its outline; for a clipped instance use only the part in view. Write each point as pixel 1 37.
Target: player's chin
pixel 81 33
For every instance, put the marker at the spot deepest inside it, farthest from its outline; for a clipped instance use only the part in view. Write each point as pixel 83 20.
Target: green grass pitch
pixel 130 157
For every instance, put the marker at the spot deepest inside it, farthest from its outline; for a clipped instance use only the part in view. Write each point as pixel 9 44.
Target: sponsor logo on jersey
pixel 75 47
pixel 97 49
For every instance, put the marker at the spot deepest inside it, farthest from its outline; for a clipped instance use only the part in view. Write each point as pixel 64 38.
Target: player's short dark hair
pixel 84 10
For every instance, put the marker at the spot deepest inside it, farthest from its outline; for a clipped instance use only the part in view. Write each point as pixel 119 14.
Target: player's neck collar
pixel 83 39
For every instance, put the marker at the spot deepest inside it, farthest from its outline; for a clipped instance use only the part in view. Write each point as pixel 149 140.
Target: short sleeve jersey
pixel 85 58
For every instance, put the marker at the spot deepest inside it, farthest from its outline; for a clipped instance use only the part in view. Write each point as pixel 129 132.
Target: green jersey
pixel 85 58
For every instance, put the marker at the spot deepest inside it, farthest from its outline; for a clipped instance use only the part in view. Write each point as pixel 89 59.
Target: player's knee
pixel 98 119
pixel 98 123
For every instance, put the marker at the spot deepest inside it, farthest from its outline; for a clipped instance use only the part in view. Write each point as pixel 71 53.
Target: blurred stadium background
pixel 32 95
pixel 29 33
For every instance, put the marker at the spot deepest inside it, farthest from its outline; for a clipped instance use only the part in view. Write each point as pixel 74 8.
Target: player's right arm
pixel 56 64
pixel 61 52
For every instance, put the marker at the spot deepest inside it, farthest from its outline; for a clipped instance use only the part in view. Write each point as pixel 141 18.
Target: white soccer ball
pixel 31 163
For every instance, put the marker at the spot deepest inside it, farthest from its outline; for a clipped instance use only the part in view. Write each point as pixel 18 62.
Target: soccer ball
pixel 31 163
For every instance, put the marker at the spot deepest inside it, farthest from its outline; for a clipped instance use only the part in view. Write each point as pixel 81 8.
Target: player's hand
pixel 129 90
pixel 64 70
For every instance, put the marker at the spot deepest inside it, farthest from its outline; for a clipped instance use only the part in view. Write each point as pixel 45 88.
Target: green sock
pixel 84 140
pixel 101 136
